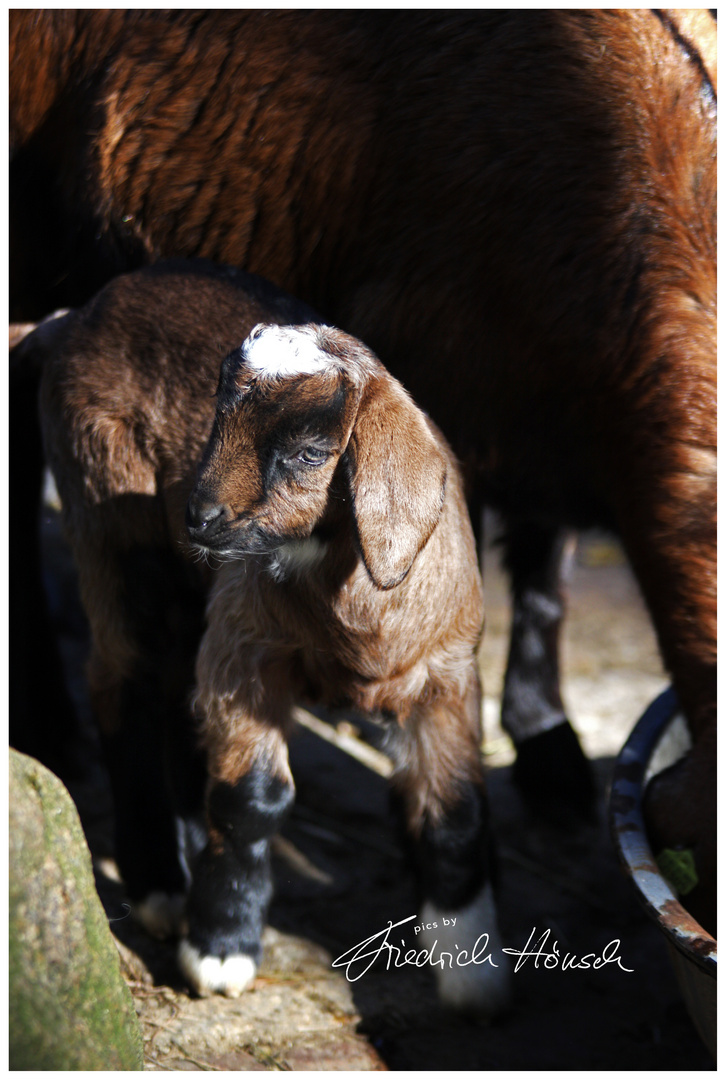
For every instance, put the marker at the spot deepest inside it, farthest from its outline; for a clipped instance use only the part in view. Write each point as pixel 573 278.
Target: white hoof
pixel 472 972
pixel 210 975
pixel 160 914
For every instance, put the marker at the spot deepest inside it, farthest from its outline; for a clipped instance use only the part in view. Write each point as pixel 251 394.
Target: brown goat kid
pixel 348 576
pixel 515 209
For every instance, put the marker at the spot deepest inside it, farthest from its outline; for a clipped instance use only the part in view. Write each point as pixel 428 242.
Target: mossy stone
pixel 69 1005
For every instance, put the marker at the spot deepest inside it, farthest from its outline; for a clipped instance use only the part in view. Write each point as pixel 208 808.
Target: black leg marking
pixel 232 888
pixel 228 902
pixel 250 810
pixel 452 858
pixel 458 917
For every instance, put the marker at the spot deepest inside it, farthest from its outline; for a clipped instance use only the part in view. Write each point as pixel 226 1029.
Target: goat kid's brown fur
pixel 394 631
pixel 124 424
pixel 128 405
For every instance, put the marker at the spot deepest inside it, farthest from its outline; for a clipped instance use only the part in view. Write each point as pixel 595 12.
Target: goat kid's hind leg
pixel 551 771
pixel 250 790
pixel 145 832
pixel 439 782
pixel 140 683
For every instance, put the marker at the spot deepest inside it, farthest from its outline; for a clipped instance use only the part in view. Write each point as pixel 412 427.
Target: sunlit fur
pixel 343 575
pixel 515 209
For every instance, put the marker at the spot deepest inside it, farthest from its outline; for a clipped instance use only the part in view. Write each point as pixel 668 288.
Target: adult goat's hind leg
pixel 551 771
pixel 667 511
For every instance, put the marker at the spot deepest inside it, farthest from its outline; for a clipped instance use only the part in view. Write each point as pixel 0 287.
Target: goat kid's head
pixel 296 407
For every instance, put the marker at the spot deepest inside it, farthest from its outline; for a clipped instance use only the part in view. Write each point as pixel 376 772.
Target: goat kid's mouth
pixel 234 540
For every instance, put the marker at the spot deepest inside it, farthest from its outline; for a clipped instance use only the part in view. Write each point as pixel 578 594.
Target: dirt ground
pixel 341 877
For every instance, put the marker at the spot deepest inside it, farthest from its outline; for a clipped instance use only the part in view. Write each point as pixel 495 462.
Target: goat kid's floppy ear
pixel 397 478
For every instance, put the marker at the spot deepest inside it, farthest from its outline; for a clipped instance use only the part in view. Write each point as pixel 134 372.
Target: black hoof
pixel 554 777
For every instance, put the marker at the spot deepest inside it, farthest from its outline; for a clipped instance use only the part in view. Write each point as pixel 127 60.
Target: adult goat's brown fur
pixel 515 210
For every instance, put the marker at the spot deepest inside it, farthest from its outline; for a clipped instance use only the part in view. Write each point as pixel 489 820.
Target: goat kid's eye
pixel 311 455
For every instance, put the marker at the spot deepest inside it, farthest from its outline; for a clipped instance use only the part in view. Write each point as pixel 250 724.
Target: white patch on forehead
pixel 282 351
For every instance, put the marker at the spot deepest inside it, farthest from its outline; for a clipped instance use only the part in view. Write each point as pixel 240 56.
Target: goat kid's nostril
pixel 202 516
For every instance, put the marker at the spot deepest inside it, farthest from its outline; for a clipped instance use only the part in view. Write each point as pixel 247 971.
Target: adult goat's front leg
pixel 551 770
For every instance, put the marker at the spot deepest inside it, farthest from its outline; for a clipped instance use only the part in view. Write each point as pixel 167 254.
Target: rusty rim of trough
pixel 628 831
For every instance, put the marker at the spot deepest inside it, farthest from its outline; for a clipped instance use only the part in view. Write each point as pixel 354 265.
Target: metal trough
pixel 656 742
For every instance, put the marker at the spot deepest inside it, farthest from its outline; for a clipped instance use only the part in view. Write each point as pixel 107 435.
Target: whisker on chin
pixel 200 555
pixel 215 559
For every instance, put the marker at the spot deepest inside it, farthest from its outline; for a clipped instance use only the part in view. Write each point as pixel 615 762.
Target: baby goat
pixel 347 575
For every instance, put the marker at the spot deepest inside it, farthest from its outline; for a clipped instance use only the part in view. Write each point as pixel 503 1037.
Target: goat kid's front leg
pixel 439 781
pixel 250 790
